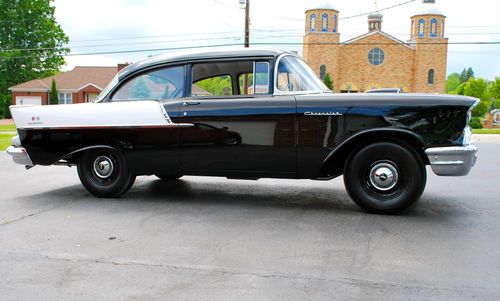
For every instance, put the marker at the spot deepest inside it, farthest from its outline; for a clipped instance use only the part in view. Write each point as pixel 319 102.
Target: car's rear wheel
pixel 169 177
pixel 105 173
pixel 385 177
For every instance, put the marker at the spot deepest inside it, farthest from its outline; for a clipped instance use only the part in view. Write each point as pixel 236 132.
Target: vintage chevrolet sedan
pixel 249 114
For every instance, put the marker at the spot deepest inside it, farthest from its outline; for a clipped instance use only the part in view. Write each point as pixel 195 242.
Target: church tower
pixel 431 48
pixel 321 41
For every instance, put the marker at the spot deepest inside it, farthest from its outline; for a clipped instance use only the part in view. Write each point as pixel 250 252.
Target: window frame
pixel 65 102
pixel 431 77
pixel 277 91
pixel 254 59
pixel 382 52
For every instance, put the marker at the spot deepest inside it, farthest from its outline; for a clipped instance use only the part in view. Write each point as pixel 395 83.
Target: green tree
pixel 31 42
pixel 460 89
pixel 452 82
pixel 478 88
pixel 466 74
pixel 328 81
pixel 53 97
pixel 494 92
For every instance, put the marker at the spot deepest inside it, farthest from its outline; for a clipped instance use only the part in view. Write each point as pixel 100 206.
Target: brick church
pixel 377 59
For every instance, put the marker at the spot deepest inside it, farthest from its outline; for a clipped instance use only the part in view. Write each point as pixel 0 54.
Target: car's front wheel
pixel 385 177
pixel 105 173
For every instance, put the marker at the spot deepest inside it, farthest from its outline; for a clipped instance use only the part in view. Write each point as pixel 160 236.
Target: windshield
pixel 294 75
pixel 108 88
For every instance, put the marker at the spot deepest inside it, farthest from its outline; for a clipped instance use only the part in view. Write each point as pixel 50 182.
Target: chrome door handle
pixel 191 103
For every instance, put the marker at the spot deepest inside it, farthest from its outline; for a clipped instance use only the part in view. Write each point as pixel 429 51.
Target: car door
pixel 229 129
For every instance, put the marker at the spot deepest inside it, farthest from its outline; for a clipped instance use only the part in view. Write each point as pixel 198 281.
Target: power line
pixel 255 44
pixel 378 10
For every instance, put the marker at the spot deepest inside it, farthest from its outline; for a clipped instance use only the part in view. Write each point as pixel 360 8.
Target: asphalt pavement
pixel 203 238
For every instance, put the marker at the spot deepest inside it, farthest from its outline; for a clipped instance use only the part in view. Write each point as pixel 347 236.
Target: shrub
pixel 475 123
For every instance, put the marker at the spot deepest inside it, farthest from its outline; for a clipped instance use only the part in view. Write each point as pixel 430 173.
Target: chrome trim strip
pixel 452 161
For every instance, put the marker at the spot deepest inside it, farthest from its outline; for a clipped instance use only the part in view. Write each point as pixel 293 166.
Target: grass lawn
pixel 7 128
pixel 486 131
pixel 5 141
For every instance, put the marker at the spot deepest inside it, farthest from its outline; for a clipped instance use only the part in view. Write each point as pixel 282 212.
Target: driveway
pixel 205 238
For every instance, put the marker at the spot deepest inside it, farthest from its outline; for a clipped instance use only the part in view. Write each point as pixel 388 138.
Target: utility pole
pixel 247 23
pixel 247 38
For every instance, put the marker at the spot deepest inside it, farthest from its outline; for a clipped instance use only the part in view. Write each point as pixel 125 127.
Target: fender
pixel 84 149
pixel 389 130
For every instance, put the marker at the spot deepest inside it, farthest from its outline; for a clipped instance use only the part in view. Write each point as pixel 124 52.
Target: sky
pixel 96 26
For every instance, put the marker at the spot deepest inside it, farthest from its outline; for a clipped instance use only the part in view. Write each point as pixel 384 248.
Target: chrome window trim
pixel 278 91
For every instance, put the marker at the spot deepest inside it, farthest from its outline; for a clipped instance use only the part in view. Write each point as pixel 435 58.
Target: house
pixel 377 59
pixel 82 84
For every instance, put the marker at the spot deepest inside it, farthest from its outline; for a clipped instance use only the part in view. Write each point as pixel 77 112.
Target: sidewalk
pixel 486 138
pixel 6 121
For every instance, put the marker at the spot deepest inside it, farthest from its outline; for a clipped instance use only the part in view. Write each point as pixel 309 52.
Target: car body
pixel 203 114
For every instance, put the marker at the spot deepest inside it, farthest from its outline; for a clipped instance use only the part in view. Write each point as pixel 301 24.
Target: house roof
pixel 75 80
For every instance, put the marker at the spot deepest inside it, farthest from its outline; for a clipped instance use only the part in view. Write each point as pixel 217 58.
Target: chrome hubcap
pixel 103 167
pixel 384 176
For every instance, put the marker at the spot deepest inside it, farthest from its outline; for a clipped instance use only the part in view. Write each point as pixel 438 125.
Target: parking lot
pixel 217 239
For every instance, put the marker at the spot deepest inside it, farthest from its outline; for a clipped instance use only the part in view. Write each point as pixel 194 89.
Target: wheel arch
pixel 334 164
pixel 72 156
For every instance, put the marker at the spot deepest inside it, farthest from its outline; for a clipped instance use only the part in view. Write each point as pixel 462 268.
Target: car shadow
pixel 240 194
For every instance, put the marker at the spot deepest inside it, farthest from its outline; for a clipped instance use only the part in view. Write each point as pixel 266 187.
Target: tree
pixel 494 92
pixel 452 82
pixel 466 75
pixel 478 88
pixel 470 73
pixel 31 42
pixel 53 97
pixel 328 81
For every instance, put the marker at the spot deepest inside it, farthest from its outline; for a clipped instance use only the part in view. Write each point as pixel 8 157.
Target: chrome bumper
pixel 20 156
pixel 452 161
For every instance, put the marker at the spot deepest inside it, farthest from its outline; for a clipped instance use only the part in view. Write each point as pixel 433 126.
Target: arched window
pixel 434 25
pixel 324 23
pixel 313 22
pixel 335 23
pixel 430 77
pixel 421 28
pixel 442 29
pixel 322 72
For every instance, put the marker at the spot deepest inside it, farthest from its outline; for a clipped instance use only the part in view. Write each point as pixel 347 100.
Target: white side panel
pixel 29 100
pixel 133 113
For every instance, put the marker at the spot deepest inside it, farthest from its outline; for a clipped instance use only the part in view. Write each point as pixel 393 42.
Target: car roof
pixel 199 55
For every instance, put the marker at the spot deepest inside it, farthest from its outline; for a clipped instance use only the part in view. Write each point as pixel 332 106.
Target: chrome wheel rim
pixel 384 176
pixel 103 167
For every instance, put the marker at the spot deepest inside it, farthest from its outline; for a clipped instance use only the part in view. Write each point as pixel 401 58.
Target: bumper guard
pixel 452 161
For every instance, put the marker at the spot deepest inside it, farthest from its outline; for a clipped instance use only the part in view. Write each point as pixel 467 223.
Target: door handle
pixel 191 103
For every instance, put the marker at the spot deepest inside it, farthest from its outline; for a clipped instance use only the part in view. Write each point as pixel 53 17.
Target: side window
pixel 160 84
pixel 230 78
pixel 213 86
pixel 261 83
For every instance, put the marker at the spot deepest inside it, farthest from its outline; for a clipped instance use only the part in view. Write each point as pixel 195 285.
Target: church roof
pixel 396 40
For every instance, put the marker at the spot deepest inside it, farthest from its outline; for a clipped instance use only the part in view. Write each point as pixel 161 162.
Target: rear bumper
pixel 452 161
pixel 20 156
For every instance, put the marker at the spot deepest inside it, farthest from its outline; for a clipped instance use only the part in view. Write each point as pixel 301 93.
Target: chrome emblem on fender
pixel 323 114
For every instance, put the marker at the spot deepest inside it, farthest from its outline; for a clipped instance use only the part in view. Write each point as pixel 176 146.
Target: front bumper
pixel 452 161
pixel 20 156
